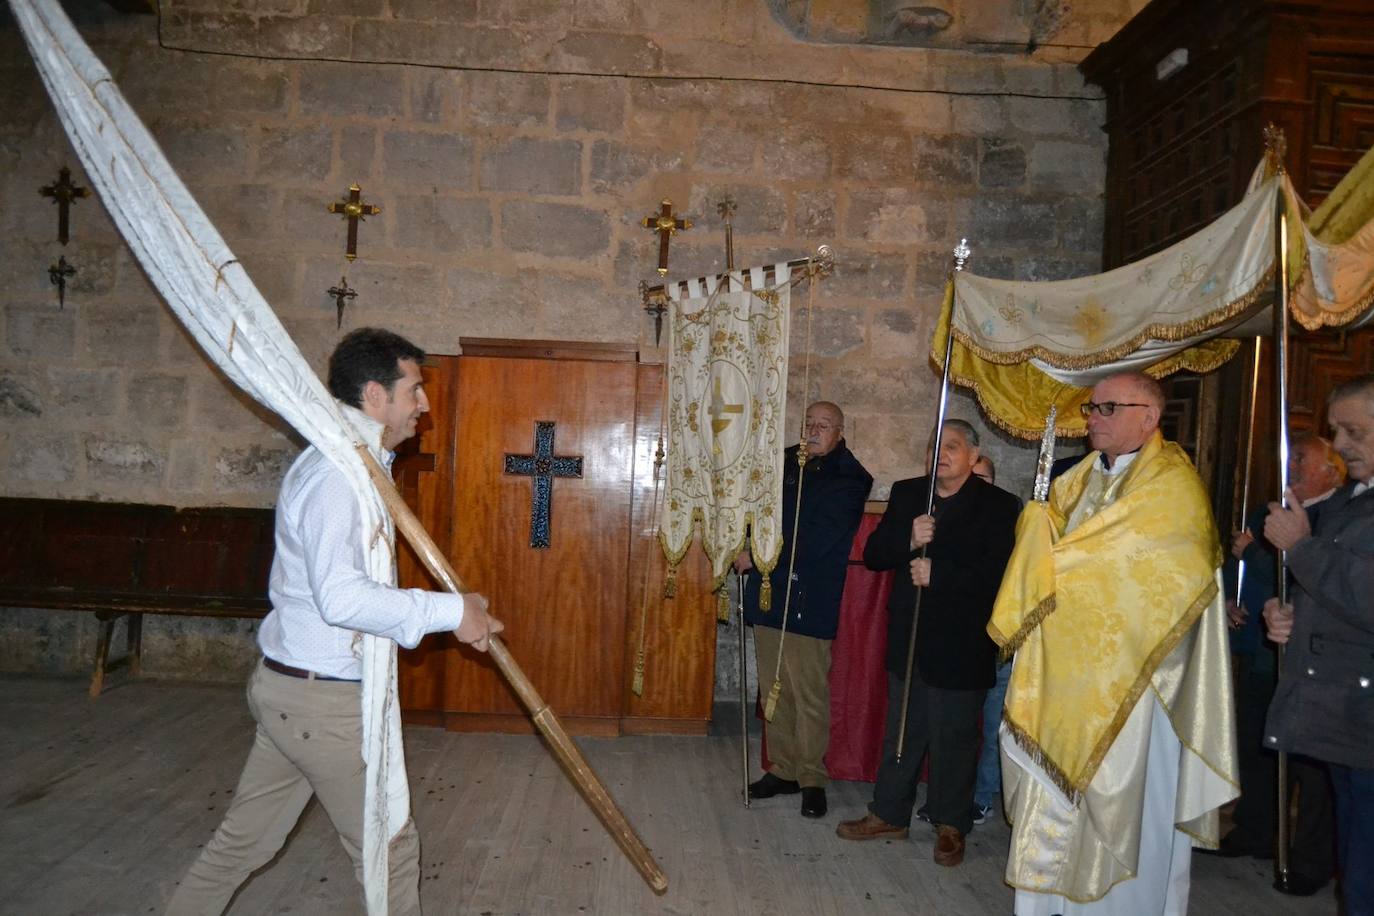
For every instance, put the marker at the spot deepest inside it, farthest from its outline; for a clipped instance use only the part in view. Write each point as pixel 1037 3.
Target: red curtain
pixel 858 681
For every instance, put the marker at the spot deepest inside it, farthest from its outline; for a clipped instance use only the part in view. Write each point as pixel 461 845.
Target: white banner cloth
pixel 727 395
pixel 211 294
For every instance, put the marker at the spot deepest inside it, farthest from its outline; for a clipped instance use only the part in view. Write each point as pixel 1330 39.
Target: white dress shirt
pixel 321 594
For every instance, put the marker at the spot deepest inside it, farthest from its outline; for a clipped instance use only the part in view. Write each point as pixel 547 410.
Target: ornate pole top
pixel 961 254
pixel 1275 145
pixel 1046 459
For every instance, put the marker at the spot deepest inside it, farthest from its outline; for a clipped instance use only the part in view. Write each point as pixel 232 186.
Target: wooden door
pixel 552 564
pixel 579 609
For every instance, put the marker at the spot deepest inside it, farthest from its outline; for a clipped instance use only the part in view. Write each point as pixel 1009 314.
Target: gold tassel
pixel 638 685
pixel 770 706
pixel 670 584
pixel 723 604
pixel 766 595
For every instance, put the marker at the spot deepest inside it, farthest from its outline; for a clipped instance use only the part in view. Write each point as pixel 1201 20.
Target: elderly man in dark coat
pixel 969 540
pixel 833 491
pixel 1324 704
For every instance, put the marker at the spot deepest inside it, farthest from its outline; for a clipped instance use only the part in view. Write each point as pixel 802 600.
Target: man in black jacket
pixel 833 490
pixel 969 538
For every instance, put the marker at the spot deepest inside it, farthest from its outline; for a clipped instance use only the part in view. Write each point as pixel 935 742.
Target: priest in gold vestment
pixel 1118 733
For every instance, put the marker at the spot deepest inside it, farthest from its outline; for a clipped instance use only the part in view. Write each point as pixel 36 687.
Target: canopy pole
pixel 1249 458
pixel 1281 431
pixel 743 689
pixel 961 256
pixel 563 747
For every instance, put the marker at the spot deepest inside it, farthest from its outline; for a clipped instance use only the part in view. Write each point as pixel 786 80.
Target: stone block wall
pixel 514 148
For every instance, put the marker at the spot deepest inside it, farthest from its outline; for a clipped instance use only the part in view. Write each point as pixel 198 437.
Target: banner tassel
pixel 638 685
pixel 770 705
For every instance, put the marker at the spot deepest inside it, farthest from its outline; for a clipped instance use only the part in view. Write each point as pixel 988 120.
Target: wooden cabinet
pixel 1184 140
pixel 535 469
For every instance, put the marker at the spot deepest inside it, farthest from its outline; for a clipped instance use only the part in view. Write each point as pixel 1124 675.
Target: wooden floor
pixel 103 805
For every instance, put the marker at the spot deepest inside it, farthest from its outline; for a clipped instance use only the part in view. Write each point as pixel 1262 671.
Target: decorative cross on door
pixel 543 466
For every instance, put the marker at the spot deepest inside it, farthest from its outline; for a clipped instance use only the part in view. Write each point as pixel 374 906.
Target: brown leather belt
pixel 274 665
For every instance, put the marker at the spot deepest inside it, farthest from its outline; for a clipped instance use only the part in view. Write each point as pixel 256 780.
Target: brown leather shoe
pixel 870 827
pixel 949 846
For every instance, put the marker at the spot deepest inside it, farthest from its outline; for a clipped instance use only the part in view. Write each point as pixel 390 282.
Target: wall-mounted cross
pixel 543 466
pixel 57 275
pixel 64 194
pixel 353 209
pixel 665 224
pixel 342 293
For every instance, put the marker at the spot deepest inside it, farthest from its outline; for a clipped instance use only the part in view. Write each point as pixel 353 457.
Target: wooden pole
pixel 568 754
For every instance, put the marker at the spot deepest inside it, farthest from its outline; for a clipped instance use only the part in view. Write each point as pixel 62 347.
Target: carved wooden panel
pixel 1182 148
pixel 573 610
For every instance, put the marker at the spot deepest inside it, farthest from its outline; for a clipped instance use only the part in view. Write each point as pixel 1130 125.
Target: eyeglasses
pixel 820 426
pixel 1106 408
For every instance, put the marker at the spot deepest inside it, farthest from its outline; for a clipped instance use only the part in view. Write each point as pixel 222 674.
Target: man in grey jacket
pixel 1324 704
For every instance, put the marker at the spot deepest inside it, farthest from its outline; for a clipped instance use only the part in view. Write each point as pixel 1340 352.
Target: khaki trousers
pixel 308 742
pixel 800 730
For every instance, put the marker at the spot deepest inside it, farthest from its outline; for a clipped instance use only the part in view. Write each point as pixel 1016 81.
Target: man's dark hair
pixel 368 355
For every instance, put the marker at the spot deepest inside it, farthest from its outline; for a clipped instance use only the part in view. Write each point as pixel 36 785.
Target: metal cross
pixel 57 276
pixel 353 209
pixel 665 224
pixel 543 466
pixel 342 293
pixel 64 194
pixel 726 208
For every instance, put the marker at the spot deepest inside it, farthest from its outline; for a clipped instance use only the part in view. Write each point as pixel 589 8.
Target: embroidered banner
pixel 727 393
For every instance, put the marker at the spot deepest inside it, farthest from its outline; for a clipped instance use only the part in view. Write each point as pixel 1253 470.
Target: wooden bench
pixel 119 560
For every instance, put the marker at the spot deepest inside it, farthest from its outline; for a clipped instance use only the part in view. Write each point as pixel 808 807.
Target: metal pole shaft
pixel 1249 458
pixel 961 254
pixel 1281 430
pixel 743 691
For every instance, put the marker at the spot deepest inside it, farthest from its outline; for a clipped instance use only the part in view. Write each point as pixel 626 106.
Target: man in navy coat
pixel 834 486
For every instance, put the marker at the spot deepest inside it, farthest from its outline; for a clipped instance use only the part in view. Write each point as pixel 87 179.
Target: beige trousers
pixel 800 730
pixel 308 742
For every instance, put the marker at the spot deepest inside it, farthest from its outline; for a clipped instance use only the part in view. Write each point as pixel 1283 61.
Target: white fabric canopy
pixel 1217 282
pixel 211 294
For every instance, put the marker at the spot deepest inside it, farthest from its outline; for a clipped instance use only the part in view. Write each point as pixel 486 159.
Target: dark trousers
pixel 1354 789
pixel 1314 832
pixel 945 723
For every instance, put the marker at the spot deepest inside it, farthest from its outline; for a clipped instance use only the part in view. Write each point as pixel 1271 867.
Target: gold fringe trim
pixel 1036 753
pixel 1168 332
pixel 1009 646
pixel 723 604
pixel 766 595
pixel 1006 426
pixel 670 583
pixel 770 706
pixel 1326 319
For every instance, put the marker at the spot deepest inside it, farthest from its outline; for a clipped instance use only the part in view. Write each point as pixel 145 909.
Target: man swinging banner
pixel 727 392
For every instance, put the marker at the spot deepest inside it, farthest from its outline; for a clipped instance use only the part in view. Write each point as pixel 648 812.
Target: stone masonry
pixel 513 148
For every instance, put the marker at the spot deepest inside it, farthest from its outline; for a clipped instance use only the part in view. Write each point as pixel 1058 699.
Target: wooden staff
pixel 544 718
